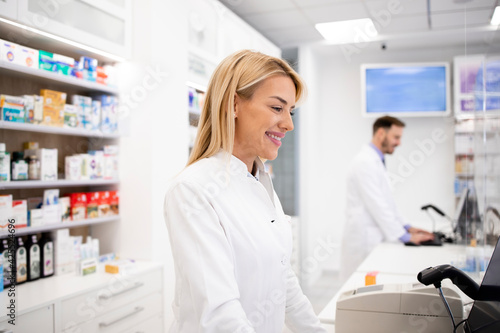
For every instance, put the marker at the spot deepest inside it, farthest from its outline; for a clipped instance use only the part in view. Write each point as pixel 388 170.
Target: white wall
pixel 332 131
pixel 155 146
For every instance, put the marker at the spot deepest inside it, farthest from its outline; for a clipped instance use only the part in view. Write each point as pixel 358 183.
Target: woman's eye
pixel 277 108
pixel 292 113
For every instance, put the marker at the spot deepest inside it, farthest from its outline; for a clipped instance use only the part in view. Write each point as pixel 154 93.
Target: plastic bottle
pixel 47 256
pixel 19 166
pixel 33 251
pixel 21 262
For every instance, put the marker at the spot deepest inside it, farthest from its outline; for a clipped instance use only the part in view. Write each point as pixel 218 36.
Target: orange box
pixel 53 107
pixel 371 278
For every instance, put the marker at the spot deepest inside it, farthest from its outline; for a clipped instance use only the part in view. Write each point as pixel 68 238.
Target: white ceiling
pixel 291 22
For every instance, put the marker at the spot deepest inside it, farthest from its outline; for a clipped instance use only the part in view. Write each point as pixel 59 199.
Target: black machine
pixel 484 316
pixel 465 221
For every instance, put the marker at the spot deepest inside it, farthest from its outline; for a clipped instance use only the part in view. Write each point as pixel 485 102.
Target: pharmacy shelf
pixel 28 72
pixel 49 227
pixel 54 130
pixel 22 184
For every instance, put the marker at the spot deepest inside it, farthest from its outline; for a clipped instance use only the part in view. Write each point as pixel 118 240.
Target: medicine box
pixel 20 213
pixel 84 110
pixel 9 52
pixel 70 116
pixel 92 205
pixel 65 209
pixel 109 113
pixel 12 108
pixel 53 107
pixel 73 167
pixel 28 57
pixel 78 206
pixel 95 118
pixel 103 206
pixel 5 210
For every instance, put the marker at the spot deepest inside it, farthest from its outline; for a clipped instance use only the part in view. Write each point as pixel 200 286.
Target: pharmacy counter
pixel 395 263
pixel 71 303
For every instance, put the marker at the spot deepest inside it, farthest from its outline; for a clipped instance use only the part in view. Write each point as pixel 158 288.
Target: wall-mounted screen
pixel 405 90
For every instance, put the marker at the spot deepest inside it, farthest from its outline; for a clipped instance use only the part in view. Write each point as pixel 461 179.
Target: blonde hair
pixel 240 73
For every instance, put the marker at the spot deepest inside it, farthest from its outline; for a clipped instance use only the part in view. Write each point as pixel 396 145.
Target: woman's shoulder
pixel 198 173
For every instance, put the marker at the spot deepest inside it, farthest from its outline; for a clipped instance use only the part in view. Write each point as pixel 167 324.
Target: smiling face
pixel 262 121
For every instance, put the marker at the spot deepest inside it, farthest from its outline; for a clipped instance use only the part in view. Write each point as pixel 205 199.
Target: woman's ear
pixel 236 105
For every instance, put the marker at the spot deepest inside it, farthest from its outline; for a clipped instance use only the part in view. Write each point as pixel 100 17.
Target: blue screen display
pixel 406 89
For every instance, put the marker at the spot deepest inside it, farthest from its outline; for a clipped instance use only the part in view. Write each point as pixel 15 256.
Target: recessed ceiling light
pixel 495 19
pixel 346 32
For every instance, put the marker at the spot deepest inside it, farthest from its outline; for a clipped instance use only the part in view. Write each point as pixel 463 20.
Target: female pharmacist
pixel 230 239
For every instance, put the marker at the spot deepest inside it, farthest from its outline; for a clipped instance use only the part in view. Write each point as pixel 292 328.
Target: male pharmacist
pixel 372 215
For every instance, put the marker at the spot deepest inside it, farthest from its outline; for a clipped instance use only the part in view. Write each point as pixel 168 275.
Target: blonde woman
pixel 230 239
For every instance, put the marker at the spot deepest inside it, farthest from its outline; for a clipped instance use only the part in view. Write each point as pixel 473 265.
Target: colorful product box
pixel 92 205
pixel 5 210
pixel 9 52
pixel 12 108
pixel 54 62
pixel 53 107
pixel 96 164
pixel 70 116
pixel 95 118
pixel 104 208
pixel 33 106
pixel 78 206
pixel 73 167
pixel 28 57
pixel 114 202
pixel 35 214
pixel 88 67
pixel 109 113
pixel 20 213
pixel 84 110
pixel 65 209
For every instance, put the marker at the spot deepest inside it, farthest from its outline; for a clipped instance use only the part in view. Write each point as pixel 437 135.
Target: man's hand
pixel 418 236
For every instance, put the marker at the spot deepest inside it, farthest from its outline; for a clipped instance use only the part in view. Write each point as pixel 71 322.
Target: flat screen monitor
pixel 466 216
pixel 405 90
pixel 484 316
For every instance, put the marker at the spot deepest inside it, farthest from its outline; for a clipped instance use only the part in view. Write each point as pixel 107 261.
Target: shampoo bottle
pixel 8 258
pixel 47 256
pixel 33 251
pixel 21 261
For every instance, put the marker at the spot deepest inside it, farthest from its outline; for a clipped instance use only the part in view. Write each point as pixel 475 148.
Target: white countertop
pixel 395 263
pixel 32 295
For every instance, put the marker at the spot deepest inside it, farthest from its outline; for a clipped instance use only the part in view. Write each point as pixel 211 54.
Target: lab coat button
pixel 283 260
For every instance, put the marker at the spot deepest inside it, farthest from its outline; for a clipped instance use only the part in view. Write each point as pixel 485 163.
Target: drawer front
pixel 119 291
pixel 39 320
pixel 121 319
pixel 152 325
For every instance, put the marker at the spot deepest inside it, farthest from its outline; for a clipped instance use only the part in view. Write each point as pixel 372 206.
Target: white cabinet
pixel 8 9
pixel 40 320
pixel 103 25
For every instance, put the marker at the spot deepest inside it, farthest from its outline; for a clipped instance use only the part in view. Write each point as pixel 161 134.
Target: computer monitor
pixel 405 89
pixel 484 316
pixel 466 216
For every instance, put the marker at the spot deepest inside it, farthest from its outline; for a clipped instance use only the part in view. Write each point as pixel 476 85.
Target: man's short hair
pixel 386 122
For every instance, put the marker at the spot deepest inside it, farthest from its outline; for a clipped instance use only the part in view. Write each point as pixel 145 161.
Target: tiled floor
pixel 323 290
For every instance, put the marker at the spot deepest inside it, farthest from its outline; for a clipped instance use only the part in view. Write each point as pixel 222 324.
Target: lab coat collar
pixel 239 168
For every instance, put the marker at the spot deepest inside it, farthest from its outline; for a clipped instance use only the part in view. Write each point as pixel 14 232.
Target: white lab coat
pixel 231 244
pixel 371 212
